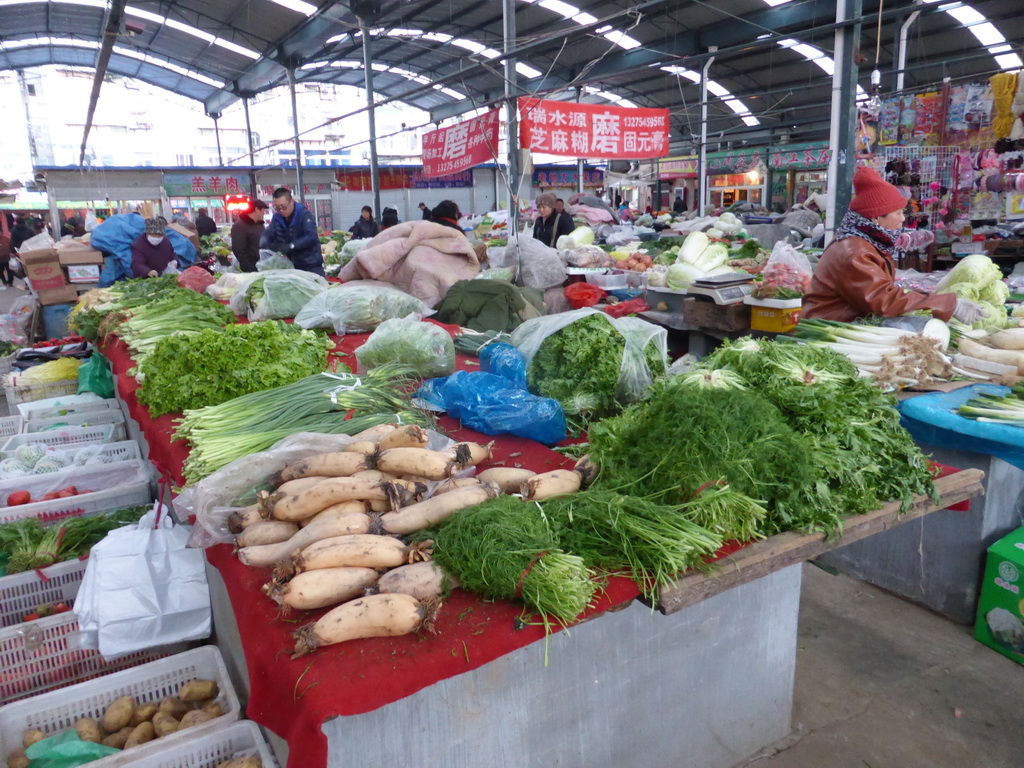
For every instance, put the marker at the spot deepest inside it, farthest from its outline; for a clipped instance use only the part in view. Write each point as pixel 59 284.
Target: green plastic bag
pixel 94 376
pixel 66 750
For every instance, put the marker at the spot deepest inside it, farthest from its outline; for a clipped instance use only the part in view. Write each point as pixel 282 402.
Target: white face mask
pixel 155 239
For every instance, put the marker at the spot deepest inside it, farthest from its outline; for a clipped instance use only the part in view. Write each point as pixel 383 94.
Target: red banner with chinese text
pixel 460 147
pixel 592 130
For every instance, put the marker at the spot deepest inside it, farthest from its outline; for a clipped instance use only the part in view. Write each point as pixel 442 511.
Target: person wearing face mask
pixel 152 251
pixel 855 275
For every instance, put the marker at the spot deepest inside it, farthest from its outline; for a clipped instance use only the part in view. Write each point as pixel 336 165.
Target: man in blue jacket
pixel 292 231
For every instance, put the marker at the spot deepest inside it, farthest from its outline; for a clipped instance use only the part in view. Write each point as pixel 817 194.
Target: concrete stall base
pixel 702 688
pixel 938 561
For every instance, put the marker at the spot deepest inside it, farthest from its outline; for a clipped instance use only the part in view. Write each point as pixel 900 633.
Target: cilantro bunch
pixel 193 369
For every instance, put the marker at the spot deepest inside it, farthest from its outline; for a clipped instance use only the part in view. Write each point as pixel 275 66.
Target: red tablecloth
pixel 293 697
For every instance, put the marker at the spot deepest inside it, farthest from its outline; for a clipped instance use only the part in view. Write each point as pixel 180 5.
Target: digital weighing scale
pixel 723 289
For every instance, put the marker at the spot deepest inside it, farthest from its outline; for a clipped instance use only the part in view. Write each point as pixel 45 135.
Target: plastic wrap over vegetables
pixel 277 294
pixel 270 260
pixel 358 307
pixel 977 278
pixel 424 347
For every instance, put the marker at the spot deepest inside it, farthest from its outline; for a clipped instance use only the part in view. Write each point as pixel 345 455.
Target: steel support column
pixel 843 134
pixel 300 191
pixel 252 153
pixel 111 29
pixel 901 54
pixel 508 9
pixel 371 117
pixel 703 191
pixel 216 133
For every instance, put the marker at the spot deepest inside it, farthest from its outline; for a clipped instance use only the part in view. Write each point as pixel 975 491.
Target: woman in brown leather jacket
pixel 855 275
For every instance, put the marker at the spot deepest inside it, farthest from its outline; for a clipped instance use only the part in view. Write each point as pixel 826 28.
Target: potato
pixel 31 736
pixel 89 730
pixel 195 717
pixel 118 714
pixel 242 762
pixel 198 690
pixel 174 707
pixel 142 713
pixel 212 707
pixel 164 724
pixel 140 735
pixel 119 739
pixel 18 759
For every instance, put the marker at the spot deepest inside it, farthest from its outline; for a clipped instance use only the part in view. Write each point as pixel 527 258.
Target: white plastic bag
pixel 426 348
pixel 40 242
pixel 143 588
pixel 282 294
pixel 270 260
pixel 359 306
pixel 539 266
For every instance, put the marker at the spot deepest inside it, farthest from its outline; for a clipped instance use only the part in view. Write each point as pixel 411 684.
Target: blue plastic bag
pixel 495 406
pixel 506 361
pixel 115 236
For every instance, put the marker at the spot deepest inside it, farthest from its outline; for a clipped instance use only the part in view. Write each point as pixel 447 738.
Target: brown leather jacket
pixel 853 279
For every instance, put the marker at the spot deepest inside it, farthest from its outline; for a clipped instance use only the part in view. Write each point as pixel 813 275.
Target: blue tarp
pixel 932 419
pixel 115 236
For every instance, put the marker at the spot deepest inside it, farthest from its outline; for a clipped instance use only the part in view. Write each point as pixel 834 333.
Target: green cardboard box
pixel 1000 623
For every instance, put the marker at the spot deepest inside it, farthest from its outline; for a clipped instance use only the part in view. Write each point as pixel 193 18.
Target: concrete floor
pixel 882 683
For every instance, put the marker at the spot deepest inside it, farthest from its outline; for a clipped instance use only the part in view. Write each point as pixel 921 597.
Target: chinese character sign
pixel 186 185
pixel 460 147
pixel 592 130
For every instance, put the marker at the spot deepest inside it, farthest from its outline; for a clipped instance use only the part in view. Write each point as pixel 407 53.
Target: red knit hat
pixel 873 195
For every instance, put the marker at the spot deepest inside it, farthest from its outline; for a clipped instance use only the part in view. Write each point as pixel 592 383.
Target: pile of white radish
pixel 330 529
pixel 998 358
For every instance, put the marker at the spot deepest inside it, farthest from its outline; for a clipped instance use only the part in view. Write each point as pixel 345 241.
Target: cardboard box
pixel 191 234
pixel 42 268
pixel 1000 623
pixel 773 315
pixel 721 317
pixel 63 295
pixel 83 273
pixel 75 256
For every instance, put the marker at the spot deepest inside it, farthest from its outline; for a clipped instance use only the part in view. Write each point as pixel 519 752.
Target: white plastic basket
pixel 123 450
pixel 608 282
pixel 10 426
pixel 52 407
pixel 65 437
pixel 23 393
pixel 89 419
pixel 111 486
pixel 21 593
pixel 57 711
pixel 240 739
pixel 41 655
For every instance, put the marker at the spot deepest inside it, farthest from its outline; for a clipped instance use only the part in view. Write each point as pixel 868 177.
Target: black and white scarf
pixel 892 242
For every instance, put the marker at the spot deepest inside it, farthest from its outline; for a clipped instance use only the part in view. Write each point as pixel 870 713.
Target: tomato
pixel 71 490
pixel 32 616
pixel 64 494
pixel 50 496
pixel 17 498
pixel 61 608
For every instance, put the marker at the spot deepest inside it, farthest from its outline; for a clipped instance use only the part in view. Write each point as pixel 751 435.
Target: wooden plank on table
pixel 785 549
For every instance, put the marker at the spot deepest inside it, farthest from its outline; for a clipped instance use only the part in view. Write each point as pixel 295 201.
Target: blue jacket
pixel 297 239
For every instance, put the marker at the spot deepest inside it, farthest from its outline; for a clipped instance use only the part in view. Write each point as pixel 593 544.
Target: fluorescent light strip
pixel 718 90
pixel 384 68
pixel 526 70
pixel 189 30
pixel 982 29
pixel 572 13
pixel 306 9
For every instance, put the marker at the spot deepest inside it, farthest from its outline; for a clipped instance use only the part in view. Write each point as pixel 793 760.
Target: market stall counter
pixel 489 689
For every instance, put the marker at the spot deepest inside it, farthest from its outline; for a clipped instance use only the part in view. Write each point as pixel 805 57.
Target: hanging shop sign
pixel 198 184
pixel 592 130
pixel 799 157
pixel 267 190
pixel 678 167
pixel 401 178
pixel 559 177
pixel 734 161
pixel 460 147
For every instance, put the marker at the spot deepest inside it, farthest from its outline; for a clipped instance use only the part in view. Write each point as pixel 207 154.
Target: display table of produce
pixel 485 673
pixel 939 561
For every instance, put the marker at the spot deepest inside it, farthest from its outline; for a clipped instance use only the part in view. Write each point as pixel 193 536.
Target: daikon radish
pixel 299 506
pixel 242 518
pixel 344 508
pixel 433 465
pixel 376 475
pixel 424 581
pixel 587 469
pixel 454 483
pixel 415 517
pixel 508 479
pixel 364 550
pixel 470 454
pixel 409 436
pixel 1005 356
pixel 558 482
pixel 372 616
pixel 298 485
pixel 265 533
pixel 1010 338
pixel 340 464
pixel 323 587
pixel 365 447
pixel 375 434
pixel 324 528
pixel 987 366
